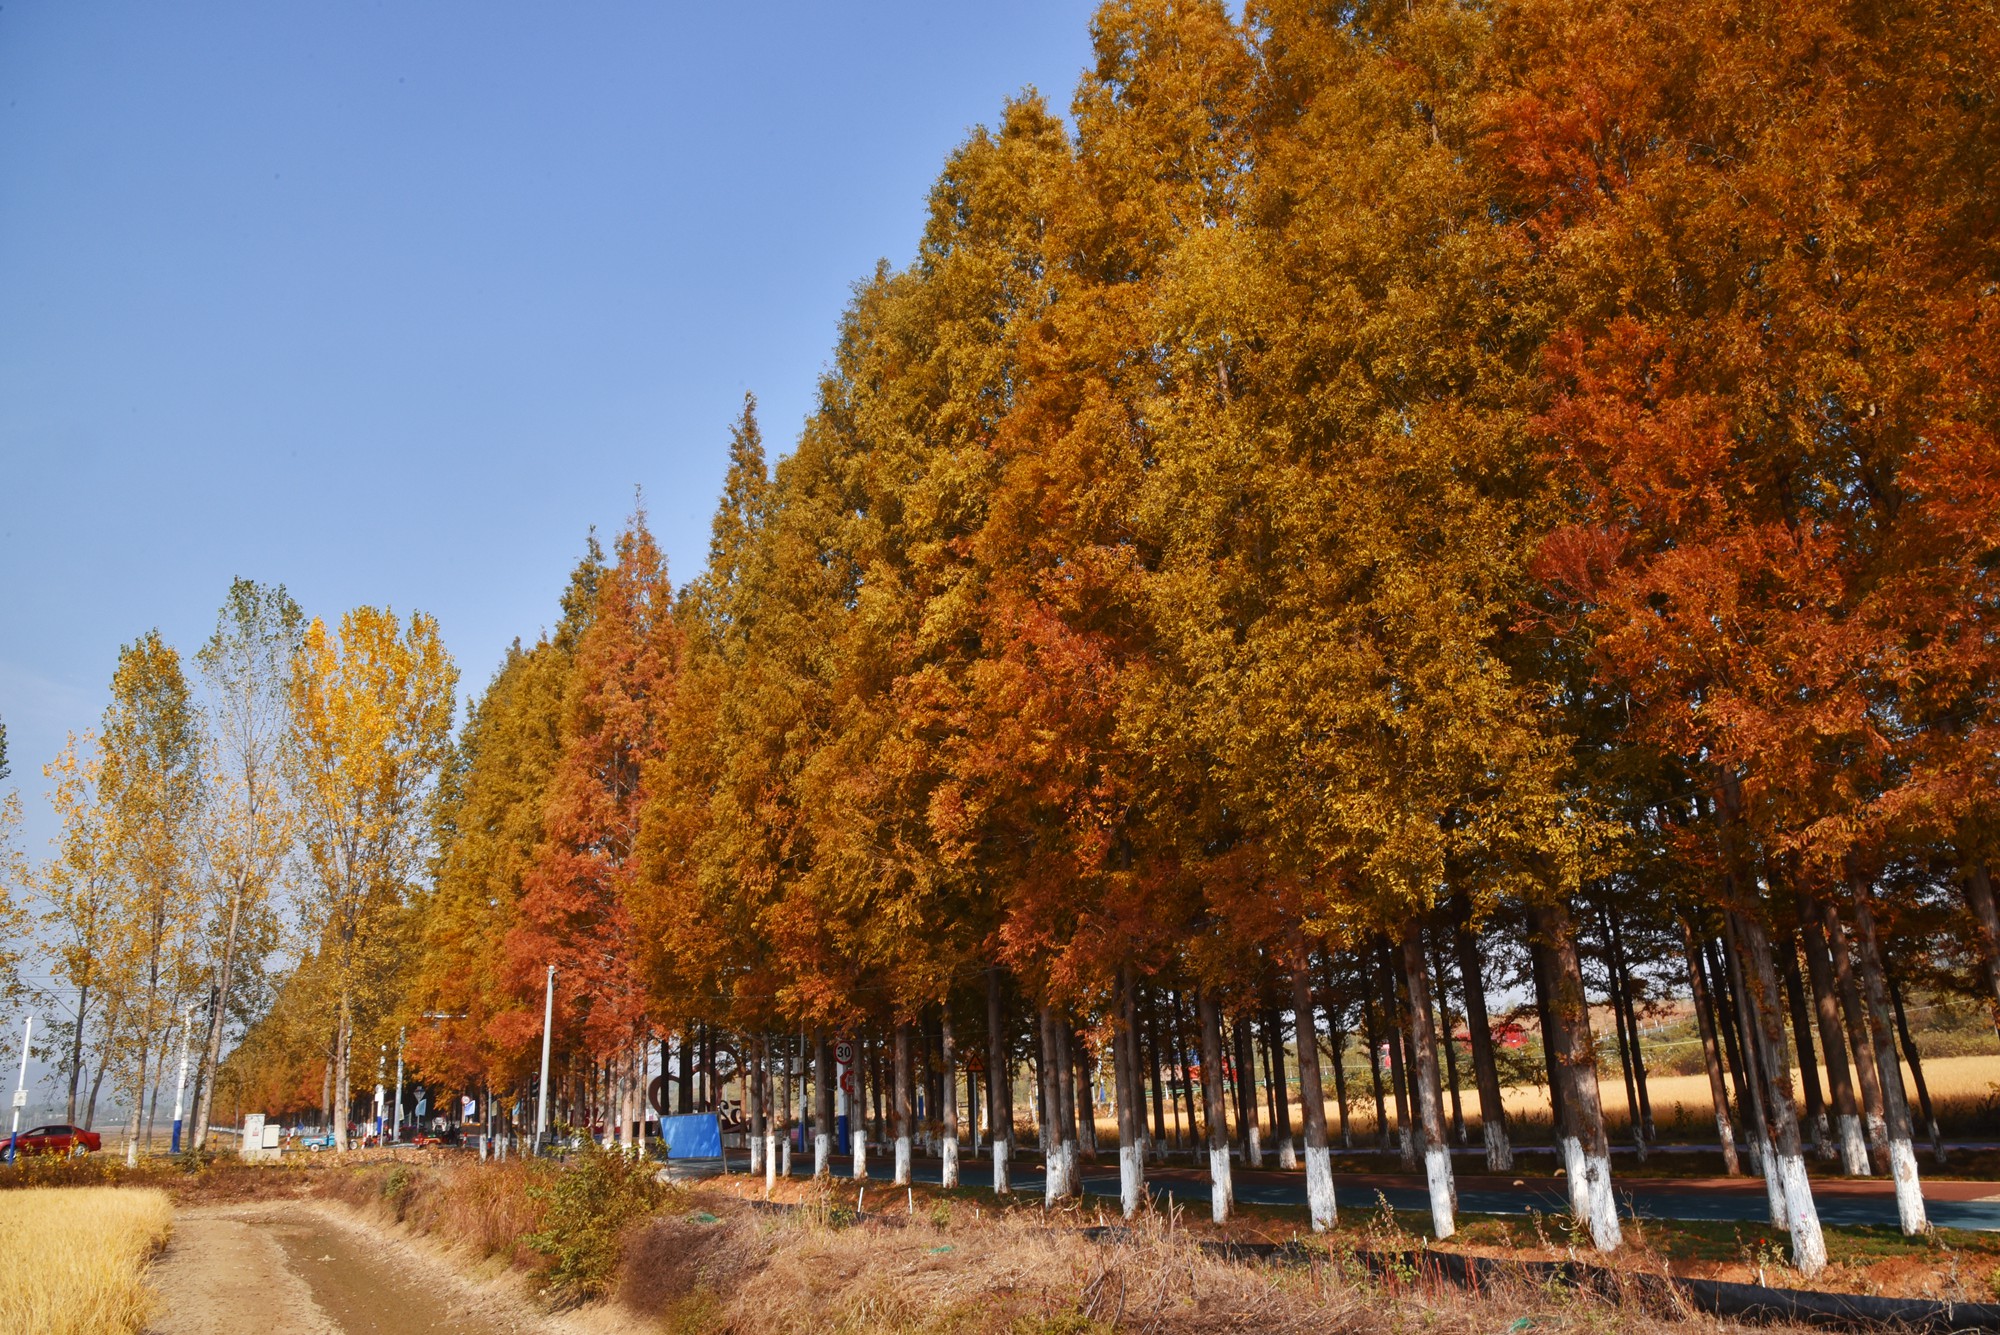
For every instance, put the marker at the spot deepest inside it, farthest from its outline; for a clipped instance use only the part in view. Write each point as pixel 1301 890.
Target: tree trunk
pixel 1443 1000
pixel 1718 1092
pixel 342 1057
pixel 1632 1119
pixel 999 1088
pixel 76 1051
pixel 1479 1033
pixel 903 1108
pixel 1802 1043
pixel 1545 1013
pixel 213 1052
pixel 1246 1094
pixel 753 1098
pixel 857 1106
pixel 822 1105
pixel 1069 1074
pixel 1428 1095
pixel 1131 1107
pixel 1587 1148
pixel 1055 1177
pixel 1153 1056
pixel 1644 1108
pixel 1194 1122
pixel 1832 1040
pixel 1281 1093
pixel 1860 1035
pixel 948 1106
pixel 774 1115
pixel 1222 1199
pixel 1916 1062
pixel 1396 1022
pixel 1374 1036
pixel 1337 1054
pixel 1722 997
pixel 1312 1095
pixel 1767 1001
pixel 1755 1116
pixel 1979 895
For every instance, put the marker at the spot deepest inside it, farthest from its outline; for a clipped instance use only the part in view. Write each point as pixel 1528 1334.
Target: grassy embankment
pixel 73 1259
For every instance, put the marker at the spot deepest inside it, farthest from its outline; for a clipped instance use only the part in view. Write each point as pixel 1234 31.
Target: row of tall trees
pixel 1378 491
pixel 258 817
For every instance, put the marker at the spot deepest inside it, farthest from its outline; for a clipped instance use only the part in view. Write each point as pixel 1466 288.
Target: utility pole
pixel 21 1087
pixel 396 1114
pixel 180 1085
pixel 548 1022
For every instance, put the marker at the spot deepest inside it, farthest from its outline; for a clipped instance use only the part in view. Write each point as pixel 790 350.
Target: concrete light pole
pixel 396 1114
pixel 21 1087
pixel 180 1085
pixel 548 1022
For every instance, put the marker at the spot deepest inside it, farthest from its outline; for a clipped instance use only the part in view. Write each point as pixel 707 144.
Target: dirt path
pixel 274 1268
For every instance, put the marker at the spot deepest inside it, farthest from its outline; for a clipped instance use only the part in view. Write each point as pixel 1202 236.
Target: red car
pixel 60 1139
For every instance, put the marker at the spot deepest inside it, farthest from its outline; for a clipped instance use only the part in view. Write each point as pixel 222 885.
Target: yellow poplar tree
pixel 371 732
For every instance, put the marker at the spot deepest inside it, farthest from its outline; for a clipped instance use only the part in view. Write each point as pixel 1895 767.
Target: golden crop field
pixel 73 1259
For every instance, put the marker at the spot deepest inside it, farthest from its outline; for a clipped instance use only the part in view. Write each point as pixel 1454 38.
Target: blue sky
pixel 392 302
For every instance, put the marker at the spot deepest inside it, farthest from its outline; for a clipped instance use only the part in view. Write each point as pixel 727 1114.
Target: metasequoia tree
pixel 371 706
pixel 1387 506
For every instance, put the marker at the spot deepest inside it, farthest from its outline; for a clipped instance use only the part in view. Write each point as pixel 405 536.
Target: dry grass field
pixel 73 1259
pixel 1966 1091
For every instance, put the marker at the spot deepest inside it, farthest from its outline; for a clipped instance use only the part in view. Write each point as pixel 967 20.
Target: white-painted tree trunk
pixel 948 1170
pixel 1910 1212
pixel 858 1138
pixel 1055 1177
pixel 1808 1246
pixel 756 1155
pixel 1499 1151
pixel 902 1161
pixel 1579 1177
pixel 1604 1230
pixel 1254 1157
pixel 1131 1179
pixel 770 1160
pixel 1437 1173
pixel 1853 1146
pixel 1319 1187
pixel 1288 1153
pixel 785 1155
pixel 1774 1188
pixel 822 1154
pixel 1003 1151
pixel 1221 1192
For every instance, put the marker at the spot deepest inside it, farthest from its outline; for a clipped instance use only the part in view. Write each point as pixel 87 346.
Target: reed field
pixel 73 1259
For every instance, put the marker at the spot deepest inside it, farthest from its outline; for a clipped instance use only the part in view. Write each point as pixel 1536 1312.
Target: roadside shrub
pixel 587 1208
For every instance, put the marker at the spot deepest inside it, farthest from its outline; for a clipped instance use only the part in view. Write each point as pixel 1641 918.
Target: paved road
pixel 1950 1204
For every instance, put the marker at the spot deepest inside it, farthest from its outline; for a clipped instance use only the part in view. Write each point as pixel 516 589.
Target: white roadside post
pixel 548 1020
pixel 21 1087
pixel 396 1111
pixel 180 1084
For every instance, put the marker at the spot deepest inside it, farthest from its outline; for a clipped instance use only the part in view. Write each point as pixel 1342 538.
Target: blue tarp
pixel 692 1136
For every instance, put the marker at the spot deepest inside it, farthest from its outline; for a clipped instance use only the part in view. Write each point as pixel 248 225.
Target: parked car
pixel 60 1139
pixel 316 1140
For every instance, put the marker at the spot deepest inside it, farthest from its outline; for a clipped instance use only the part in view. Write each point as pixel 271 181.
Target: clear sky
pixel 392 302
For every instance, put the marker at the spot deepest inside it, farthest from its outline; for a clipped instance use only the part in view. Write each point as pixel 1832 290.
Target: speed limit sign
pixel 843 1052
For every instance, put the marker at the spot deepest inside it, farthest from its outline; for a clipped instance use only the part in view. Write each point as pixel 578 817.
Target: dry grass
pixel 73 1260
pixel 719 1259
pixel 944 1268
